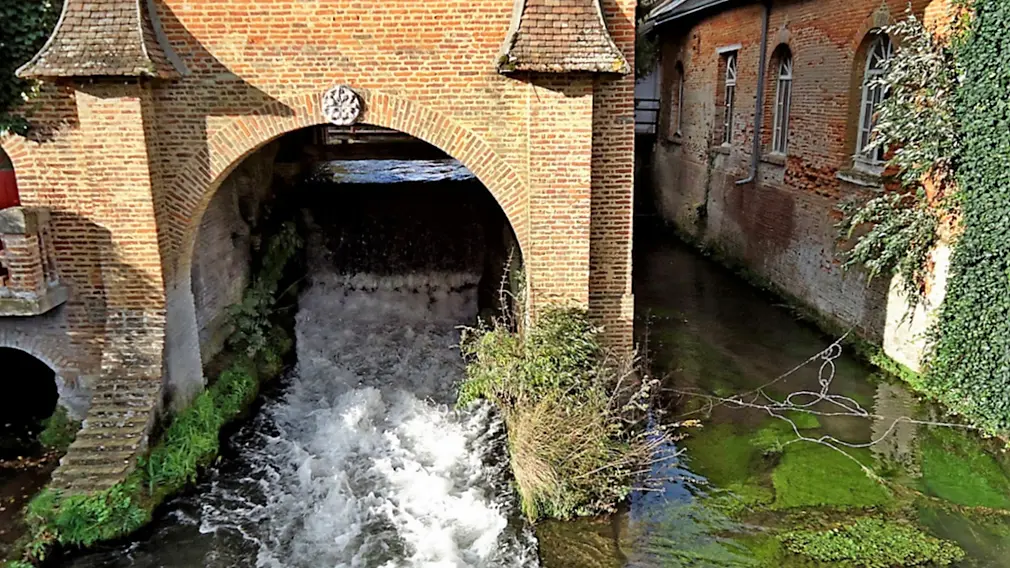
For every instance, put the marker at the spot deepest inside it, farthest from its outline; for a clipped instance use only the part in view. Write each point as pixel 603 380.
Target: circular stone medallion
pixel 341 105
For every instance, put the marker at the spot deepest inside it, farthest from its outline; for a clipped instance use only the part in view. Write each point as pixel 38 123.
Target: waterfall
pixel 362 461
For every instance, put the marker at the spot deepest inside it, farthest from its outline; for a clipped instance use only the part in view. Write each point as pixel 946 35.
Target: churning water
pixel 362 461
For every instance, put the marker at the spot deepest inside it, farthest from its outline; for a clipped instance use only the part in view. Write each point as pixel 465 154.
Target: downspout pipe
pixel 759 100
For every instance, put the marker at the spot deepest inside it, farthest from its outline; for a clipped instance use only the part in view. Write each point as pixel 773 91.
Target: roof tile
pixel 560 36
pixel 102 38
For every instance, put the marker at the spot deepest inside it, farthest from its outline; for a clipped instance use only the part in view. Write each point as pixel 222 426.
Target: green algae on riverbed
pixel 813 475
pixel 802 474
pixel 957 468
pixel 873 543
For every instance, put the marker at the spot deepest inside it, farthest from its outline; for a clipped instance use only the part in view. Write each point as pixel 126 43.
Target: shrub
pixel 58 430
pixel 27 25
pixel 574 413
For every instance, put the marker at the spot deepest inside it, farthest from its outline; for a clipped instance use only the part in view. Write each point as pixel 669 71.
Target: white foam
pixel 364 463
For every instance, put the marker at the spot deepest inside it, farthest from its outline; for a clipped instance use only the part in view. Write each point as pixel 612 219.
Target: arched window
pixel 783 100
pixel 8 183
pixel 729 96
pixel 677 116
pixel 873 93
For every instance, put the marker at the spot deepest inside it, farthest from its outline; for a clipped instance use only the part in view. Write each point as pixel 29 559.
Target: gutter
pixel 662 19
pixel 759 99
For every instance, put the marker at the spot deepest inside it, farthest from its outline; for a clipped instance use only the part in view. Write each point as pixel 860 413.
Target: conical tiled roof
pixel 560 36
pixel 102 38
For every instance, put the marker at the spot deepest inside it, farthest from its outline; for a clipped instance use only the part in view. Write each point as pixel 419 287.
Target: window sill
pixel 675 139
pixel 861 178
pixel 774 158
pixel 721 149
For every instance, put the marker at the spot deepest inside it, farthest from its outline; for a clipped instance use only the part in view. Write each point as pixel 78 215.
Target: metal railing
pixel 647 115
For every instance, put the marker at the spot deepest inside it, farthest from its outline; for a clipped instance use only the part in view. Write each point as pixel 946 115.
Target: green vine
pixel 895 230
pixel 27 24
pixel 968 367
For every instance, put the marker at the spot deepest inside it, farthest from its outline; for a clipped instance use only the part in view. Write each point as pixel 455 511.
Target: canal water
pixel 358 459
pixel 742 479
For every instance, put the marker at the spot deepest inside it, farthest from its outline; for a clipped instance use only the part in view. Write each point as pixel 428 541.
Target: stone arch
pixel 49 350
pixel 52 351
pixel 230 145
pixel 199 179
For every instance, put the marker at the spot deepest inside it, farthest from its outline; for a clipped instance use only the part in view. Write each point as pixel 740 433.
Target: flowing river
pixel 357 458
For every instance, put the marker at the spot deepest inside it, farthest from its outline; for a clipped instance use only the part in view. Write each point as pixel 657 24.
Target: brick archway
pixel 50 350
pixel 230 145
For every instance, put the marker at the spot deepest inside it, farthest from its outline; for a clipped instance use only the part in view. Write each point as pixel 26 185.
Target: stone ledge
pixel 861 178
pixel 774 158
pixel 34 305
pixel 22 220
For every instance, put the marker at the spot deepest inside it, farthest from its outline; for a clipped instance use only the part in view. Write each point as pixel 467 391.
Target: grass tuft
pixel 573 412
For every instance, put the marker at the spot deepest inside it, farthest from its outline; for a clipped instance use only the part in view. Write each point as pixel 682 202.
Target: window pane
pixel 680 103
pixel 781 124
pixel 727 133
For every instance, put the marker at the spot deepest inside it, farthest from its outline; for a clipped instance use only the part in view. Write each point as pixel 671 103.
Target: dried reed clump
pixel 577 414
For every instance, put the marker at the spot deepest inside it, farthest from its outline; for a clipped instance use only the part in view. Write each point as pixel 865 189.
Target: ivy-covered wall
pixel 969 365
pixel 26 26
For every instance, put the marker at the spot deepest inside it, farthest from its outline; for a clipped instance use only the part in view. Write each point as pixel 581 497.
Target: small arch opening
pixel 30 396
pixel 9 196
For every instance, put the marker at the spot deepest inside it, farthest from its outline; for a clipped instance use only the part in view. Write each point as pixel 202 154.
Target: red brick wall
pixel 782 227
pixel 112 158
pixel 610 298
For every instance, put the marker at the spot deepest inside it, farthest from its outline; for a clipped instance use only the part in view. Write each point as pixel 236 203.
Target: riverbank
pixel 189 441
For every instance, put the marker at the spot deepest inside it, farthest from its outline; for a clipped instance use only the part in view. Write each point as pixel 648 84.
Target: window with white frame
pixel 729 97
pixel 783 100
pixel 873 94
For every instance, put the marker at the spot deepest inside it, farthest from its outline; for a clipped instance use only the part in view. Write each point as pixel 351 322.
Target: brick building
pixel 149 106
pixel 767 110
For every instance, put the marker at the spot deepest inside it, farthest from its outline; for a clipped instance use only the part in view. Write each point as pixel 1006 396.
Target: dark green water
pixel 741 483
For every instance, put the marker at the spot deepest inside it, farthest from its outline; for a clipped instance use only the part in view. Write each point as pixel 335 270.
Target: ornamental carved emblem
pixel 341 106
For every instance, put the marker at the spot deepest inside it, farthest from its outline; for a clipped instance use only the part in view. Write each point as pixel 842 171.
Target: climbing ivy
pixel 26 26
pixel 969 363
pixel 917 122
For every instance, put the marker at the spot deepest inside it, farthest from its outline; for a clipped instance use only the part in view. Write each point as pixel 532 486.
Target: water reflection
pixel 391 171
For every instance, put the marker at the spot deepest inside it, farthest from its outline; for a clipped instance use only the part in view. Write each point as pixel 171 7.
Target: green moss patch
pixel 721 455
pixel 190 444
pixel 956 468
pixel 874 543
pixel 813 475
